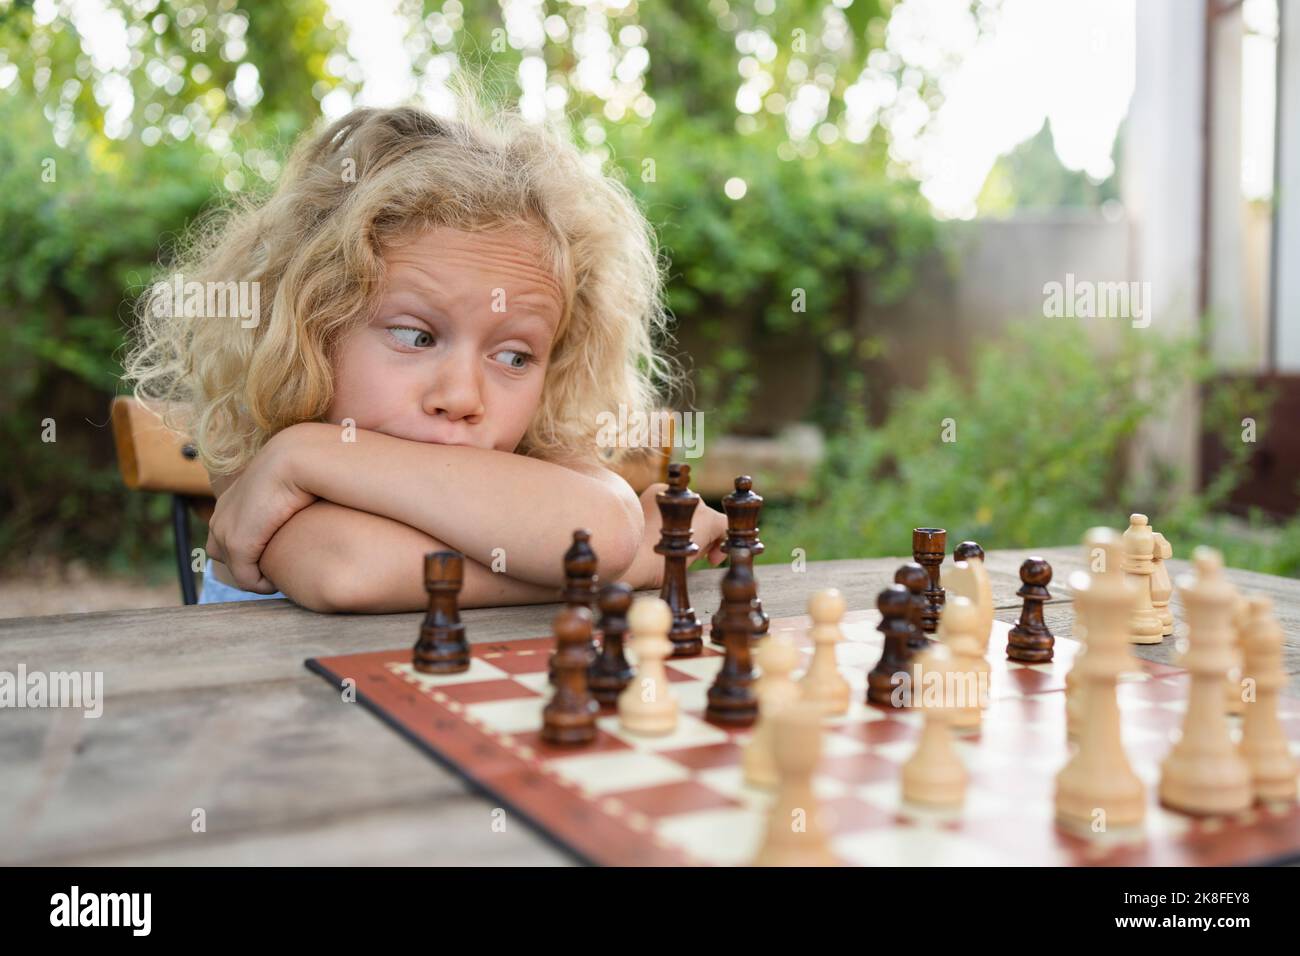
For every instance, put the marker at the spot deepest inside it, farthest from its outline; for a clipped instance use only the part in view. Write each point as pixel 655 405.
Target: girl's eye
pixel 414 338
pixel 516 359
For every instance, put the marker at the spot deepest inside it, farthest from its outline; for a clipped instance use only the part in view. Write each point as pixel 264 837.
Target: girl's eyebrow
pixel 537 312
pixel 525 322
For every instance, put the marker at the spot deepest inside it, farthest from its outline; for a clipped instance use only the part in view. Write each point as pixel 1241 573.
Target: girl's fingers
pixel 249 577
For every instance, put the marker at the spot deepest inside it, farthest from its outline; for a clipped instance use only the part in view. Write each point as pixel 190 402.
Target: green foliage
pixel 1043 427
pixel 84 219
pixel 74 247
pixel 778 263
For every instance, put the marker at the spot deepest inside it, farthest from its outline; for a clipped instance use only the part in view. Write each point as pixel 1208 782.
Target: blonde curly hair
pixel 364 184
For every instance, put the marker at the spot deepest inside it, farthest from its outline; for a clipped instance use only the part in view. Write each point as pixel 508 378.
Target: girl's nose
pixel 456 390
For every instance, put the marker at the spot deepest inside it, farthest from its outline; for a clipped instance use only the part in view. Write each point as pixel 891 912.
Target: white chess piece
pixel 1263 742
pixel 823 684
pixel 1100 560
pixel 648 705
pixel 795 836
pixel 1139 565
pixel 777 657
pixel 975 584
pixel 1074 688
pixel 1205 773
pixel 1097 784
pixel 959 629
pixel 1233 701
pixel 1162 588
pixel 935 775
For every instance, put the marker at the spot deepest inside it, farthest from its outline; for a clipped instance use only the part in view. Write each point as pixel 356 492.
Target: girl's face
pixel 457 353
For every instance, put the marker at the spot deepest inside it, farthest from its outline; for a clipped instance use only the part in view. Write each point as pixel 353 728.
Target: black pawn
pixel 611 672
pixel 731 698
pixel 742 508
pixel 580 572
pixel 570 717
pixel 895 604
pixel 441 647
pixel 1030 641
pixel 967 550
pixel 917 580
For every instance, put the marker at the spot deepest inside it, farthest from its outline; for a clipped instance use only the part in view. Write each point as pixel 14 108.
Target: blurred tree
pixel 161 71
pixel 1031 177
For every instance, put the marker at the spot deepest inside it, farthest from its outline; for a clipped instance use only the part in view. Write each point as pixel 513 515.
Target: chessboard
pixel 681 799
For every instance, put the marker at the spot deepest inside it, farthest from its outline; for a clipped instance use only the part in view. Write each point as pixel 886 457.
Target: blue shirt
pixel 218 592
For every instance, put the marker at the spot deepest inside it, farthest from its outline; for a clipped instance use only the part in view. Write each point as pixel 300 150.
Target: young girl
pixel 447 308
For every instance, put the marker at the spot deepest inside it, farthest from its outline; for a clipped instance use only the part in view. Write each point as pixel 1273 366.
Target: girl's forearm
pixel 476 500
pixel 328 557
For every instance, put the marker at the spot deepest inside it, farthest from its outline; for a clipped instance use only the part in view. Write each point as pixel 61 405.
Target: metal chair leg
pixel 181 534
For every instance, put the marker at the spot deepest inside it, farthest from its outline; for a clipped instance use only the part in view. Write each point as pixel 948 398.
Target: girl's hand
pixel 251 509
pixel 708 530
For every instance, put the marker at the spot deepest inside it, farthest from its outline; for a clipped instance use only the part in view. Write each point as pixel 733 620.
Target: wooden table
pixel 210 708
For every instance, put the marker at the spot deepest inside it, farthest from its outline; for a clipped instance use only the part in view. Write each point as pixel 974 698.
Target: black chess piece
pixel 442 647
pixel 916 579
pixel 1030 641
pixel 579 580
pixel 928 547
pixel 580 572
pixel 742 508
pixel 892 670
pixel 611 672
pixel 676 506
pixel 570 717
pixel 731 698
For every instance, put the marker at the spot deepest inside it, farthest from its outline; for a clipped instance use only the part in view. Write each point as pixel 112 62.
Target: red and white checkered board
pixel 681 799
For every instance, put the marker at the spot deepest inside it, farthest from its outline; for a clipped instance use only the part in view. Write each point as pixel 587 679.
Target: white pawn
pixel 795 836
pixel 823 684
pixel 648 705
pixel 1139 565
pixel 776 659
pixel 959 629
pixel 1263 742
pixel 935 775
